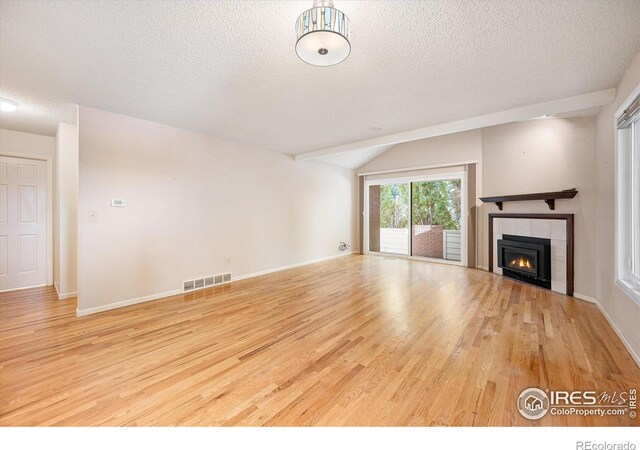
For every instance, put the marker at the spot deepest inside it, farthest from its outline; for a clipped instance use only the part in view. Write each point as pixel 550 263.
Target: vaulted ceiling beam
pixel 564 105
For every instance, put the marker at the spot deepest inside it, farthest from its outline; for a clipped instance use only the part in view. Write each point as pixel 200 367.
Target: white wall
pixel 65 210
pixel 27 145
pixel 623 312
pixel 451 148
pixel 542 156
pixel 196 206
pixel 35 146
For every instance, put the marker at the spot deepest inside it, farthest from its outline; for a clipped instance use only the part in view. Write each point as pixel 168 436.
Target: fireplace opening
pixel 526 259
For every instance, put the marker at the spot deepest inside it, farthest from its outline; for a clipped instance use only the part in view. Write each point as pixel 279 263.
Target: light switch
pixel 118 203
pixel 93 216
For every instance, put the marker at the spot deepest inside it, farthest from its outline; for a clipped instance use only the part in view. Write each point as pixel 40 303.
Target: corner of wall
pixel 621 311
pixel 65 210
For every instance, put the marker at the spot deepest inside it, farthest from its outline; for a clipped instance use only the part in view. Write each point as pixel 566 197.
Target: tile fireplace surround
pixel 557 227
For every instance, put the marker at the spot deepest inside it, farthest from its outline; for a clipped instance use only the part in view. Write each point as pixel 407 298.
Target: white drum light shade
pixel 323 35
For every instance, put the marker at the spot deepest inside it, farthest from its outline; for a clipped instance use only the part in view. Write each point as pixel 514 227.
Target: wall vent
pixel 208 281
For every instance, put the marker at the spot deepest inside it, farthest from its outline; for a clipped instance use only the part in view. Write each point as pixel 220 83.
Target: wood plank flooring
pixel 360 340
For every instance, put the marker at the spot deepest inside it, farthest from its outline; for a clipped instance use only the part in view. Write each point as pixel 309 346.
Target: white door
pixel 23 223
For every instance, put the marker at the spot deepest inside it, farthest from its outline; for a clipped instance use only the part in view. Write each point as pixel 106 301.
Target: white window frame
pixel 461 175
pixel 627 202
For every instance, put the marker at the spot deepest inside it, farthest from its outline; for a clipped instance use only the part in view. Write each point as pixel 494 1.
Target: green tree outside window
pixel 433 203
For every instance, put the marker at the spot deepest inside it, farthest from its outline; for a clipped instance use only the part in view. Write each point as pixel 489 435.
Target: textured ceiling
pixel 229 68
pixel 355 158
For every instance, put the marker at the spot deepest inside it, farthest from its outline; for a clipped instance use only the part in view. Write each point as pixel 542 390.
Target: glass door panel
pixel 436 212
pixel 389 218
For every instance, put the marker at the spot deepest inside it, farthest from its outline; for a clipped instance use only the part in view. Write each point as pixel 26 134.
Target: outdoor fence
pixel 428 240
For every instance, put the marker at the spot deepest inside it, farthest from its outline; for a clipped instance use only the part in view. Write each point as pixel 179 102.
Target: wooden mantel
pixel 548 197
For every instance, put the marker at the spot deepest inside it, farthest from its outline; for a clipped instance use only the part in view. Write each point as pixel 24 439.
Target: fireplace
pixel 526 259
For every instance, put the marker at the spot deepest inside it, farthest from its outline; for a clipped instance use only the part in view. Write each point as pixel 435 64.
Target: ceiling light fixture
pixel 323 35
pixel 7 105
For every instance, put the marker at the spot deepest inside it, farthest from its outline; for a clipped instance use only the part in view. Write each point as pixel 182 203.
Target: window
pixel 628 197
pixel 635 197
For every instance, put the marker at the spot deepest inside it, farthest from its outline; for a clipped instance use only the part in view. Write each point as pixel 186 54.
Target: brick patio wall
pixel 374 218
pixel 427 241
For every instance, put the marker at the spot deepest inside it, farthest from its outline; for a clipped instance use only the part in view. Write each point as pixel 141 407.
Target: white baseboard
pixel 624 340
pixel 292 266
pixel 23 288
pixel 64 295
pixel 123 303
pixel 148 298
pixel 586 298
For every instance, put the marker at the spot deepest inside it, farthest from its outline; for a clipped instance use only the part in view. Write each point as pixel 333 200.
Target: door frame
pixel 461 175
pixel 49 161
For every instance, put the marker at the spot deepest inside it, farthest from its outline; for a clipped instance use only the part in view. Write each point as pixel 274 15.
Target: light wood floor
pixel 354 341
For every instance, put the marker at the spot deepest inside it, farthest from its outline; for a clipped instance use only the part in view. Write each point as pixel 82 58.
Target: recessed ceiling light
pixel 323 35
pixel 7 105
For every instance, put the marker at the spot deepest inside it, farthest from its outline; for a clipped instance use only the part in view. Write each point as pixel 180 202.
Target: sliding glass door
pixel 389 218
pixel 436 219
pixel 418 217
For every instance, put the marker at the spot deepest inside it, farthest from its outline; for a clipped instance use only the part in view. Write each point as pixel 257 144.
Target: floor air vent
pixel 200 283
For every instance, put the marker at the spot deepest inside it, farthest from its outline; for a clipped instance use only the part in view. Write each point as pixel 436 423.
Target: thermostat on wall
pixel 118 203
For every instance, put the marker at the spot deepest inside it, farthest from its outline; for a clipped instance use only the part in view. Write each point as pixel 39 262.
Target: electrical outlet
pixel 93 216
pixel 228 260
